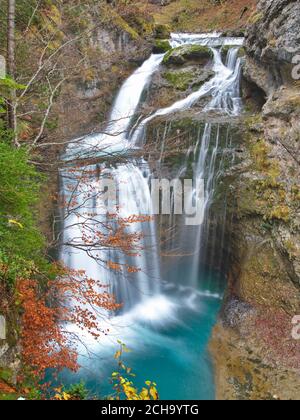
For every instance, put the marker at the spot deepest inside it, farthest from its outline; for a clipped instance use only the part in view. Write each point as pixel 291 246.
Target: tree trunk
pixel 11 16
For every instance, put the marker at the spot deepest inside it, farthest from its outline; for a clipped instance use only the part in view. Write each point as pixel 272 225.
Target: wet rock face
pixel 272 41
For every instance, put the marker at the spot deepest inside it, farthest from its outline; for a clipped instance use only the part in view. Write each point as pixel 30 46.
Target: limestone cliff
pixel 256 355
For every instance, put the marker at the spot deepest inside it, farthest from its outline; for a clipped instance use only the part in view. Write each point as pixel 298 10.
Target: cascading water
pixel 78 224
pixel 115 138
pixel 155 320
pixel 224 89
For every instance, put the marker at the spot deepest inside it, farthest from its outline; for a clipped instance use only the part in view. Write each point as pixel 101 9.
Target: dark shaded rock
pixel 234 33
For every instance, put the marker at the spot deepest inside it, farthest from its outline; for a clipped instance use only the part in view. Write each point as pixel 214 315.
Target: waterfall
pixel 82 185
pixel 84 218
pixel 224 90
pixel 227 100
pixel 169 306
pixel 115 138
pixel 223 87
pixel 213 39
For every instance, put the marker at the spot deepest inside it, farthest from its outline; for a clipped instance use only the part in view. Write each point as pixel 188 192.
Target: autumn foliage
pixel 70 299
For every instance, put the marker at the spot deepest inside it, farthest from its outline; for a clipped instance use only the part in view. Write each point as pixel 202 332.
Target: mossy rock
pixel 186 78
pixel 162 31
pixel 161 46
pixel 181 80
pixel 182 54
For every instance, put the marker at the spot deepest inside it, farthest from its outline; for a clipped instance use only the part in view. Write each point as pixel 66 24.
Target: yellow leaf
pixel 15 222
pixel 154 393
pixel 144 394
pixel 130 392
pixel 66 396
pixel 118 354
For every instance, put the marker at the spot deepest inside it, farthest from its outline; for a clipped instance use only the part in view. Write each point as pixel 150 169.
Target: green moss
pixel 266 195
pixel 268 167
pixel 6 377
pixel 281 213
pixel 161 46
pixel 121 23
pixel 143 26
pixel 180 80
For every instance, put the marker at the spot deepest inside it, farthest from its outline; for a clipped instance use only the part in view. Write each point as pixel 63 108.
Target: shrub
pixel 21 243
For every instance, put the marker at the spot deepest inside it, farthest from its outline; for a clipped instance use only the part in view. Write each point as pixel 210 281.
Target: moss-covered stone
pixel 180 80
pixel 161 46
pixel 182 54
pixel 186 78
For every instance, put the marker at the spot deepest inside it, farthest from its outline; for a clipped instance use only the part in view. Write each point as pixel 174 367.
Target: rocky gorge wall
pixel 256 354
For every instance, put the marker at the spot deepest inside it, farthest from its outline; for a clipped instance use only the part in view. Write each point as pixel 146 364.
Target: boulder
pixel 189 77
pixel 185 53
pixel 161 46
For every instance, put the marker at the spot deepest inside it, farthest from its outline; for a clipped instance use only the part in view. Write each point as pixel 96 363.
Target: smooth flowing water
pixel 171 302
